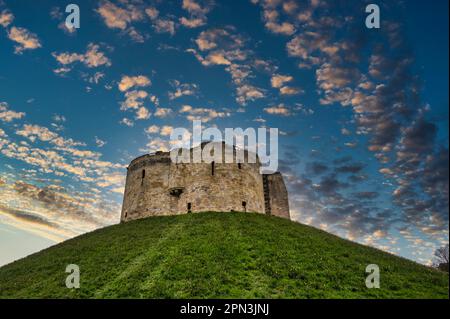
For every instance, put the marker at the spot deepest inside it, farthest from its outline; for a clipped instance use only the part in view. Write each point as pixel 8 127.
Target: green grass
pixel 216 255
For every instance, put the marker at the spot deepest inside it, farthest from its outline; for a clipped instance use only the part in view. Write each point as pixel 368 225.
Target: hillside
pixel 216 255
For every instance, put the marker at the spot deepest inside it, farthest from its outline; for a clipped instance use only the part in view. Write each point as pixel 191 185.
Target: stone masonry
pixel 157 186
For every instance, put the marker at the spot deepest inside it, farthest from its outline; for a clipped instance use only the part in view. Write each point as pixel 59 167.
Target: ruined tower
pixel 156 186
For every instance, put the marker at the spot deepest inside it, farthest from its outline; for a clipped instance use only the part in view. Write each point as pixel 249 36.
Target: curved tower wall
pixel 156 186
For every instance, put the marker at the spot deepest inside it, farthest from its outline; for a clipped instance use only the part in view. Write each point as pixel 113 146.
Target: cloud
pixel 26 216
pixel 166 130
pixel 25 39
pixel 271 18
pixel 279 80
pixel 153 129
pixel 287 90
pixel 119 17
pixel 6 18
pixel 280 109
pixel 134 99
pixel 160 25
pixel 57 14
pixel 99 142
pixel 345 131
pixel 197 13
pixel 35 131
pixel 164 26
pixel 225 47
pixel 162 112
pixel 142 113
pixel 284 28
pixel 214 38
pixel 52 212
pixel 247 93
pixel 127 82
pixel 203 114
pixel 9 115
pixel 192 23
pixel 182 89
pixel 152 12
pixel 92 58
pixel 290 7
pixel 127 122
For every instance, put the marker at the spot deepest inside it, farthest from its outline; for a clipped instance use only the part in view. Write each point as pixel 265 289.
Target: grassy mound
pixel 216 255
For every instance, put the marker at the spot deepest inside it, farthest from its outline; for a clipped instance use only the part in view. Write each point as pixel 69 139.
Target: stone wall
pixel 278 196
pixel 157 186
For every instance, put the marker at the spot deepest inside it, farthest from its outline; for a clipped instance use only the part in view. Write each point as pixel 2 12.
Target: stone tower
pixel 157 186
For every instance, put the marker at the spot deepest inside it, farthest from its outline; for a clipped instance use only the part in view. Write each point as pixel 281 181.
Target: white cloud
pixel 128 82
pixel 192 23
pixel 134 100
pixel 25 39
pixel 153 129
pixel 152 13
pixel 280 109
pixel 6 18
pixel 93 58
pixel 203 114
pixel 247 93
pixel 162 112
pixel 164 26
pixel 182 89
pixel 7 115
pixel 271 22
pixel 166 130
pixel 285 28
pixel 99 142
pixel 119 17
pixel 279 80
pixel 127 122
pixel 197 13
pixel 287 90
pixel 142 113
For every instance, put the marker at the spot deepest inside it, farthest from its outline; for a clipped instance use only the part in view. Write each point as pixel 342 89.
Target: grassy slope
pixel 214 255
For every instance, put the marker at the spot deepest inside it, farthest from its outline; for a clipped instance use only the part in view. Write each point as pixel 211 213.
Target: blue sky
pixel 362 113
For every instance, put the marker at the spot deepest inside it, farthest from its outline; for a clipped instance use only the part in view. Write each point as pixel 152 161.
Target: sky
pixel 362 113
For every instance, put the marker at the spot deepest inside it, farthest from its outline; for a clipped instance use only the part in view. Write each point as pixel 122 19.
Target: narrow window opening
pixel 143 176
pixel 244 205
pixel 212 168
pixel 239 165
pixel 126 214
pixel 189 207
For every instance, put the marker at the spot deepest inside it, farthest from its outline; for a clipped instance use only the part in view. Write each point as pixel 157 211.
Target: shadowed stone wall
pixel 278 196
pixel 156 186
